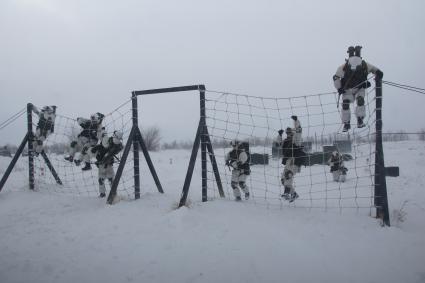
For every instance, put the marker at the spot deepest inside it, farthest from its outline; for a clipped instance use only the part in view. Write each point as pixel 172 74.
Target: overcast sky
pixel 88 55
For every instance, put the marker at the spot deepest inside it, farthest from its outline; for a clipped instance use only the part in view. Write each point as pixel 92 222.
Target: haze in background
pixel 87 56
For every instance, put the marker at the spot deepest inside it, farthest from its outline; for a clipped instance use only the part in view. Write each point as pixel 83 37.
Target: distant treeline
pixel 316 140
pixel 152 141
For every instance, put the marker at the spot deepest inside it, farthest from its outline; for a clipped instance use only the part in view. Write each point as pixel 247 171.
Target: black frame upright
pixel 201 139
pixel 381 196
pixel 135 138
pixel 28 140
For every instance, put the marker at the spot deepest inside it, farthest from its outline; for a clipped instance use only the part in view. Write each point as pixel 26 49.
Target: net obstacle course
pixel 225 117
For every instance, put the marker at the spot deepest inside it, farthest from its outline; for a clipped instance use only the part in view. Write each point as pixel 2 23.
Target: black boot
pixel 360 123
pixel 293 197
pixel 247 196
pixel 347 126
pixel 69 158
pixel 86 167
pixel 286 194
pixel 102 195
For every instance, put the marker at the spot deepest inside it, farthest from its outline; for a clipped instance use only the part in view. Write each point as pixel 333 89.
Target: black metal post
pixel 30 147
pixel 214 164
pixel 203 126
pixel 117 177
pixel 381 198
pixel 135 148
pixel 51 168
pixel 201 138
pixel 190 168
pixel 148 160
pixel 13 162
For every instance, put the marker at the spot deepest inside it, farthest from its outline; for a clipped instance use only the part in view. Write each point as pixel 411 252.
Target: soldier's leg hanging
pixel 236 191
pixel 244 188
pixel 102 188
pixel 360 104
pixel 345 112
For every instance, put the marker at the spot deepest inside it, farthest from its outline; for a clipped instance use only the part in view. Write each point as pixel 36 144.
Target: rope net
pixel 230 117
pixel 256 120
pixel 57 147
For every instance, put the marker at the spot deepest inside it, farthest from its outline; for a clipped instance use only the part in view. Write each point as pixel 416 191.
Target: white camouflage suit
pixel 85 141
pixel 338 169
pixel 289 171
pixel 87 153
pixel 351 94
pixel 45 126
pixel 291 160
pixel 106 169
pixel 238 175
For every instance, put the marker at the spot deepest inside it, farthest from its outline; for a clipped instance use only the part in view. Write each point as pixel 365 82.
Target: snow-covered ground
pixel 51 237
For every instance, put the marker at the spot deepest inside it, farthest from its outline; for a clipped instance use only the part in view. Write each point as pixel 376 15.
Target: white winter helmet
pixel 48 109
pixel 234 143
pixel 118 135
pixel 97 116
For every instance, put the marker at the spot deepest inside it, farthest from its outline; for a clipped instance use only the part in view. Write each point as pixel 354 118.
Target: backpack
pixel 291 150
pixel 355 78
pixel 244 146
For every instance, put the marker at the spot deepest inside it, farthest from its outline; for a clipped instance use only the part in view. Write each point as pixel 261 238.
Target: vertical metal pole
pixel 135 147
pixel 214 164
pixel 116 180
pixel 51 168
pixel 30 147
pixel 203 126
pixel 148 159
pixel 190 168
pixel 381 198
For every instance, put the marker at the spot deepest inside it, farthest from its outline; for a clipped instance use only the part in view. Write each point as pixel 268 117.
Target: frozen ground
pixel 50 237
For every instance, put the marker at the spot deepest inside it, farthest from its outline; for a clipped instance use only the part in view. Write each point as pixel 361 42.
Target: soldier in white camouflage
pixel 351 81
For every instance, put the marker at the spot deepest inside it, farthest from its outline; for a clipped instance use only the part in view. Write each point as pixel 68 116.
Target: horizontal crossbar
pixel 169 89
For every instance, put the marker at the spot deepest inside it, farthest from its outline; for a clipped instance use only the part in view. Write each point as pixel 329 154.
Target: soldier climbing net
pixel 74 179
pixel 226 117
pixel 256 119
pixel 68 177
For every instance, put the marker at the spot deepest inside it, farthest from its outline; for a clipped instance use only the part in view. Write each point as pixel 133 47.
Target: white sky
pixel 87 56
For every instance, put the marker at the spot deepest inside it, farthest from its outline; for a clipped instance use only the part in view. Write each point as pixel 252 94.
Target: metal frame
pixel 135 138
pixel 28 140
pixel 201 139
pixel 381 197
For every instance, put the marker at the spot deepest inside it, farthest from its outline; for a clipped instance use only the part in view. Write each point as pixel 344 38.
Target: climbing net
pixel 73 180
pixel 256 119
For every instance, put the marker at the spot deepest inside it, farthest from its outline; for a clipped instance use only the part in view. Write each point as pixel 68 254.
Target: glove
pixel 234 164
pixel 379 75
pixel 294 117
pixel 366 84
pixel 341 91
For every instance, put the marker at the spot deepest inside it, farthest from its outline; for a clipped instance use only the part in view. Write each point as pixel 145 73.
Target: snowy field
pixel 48 236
